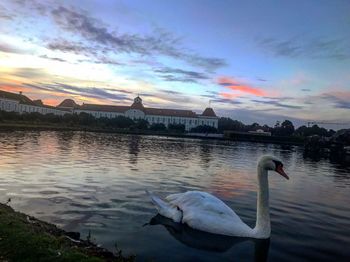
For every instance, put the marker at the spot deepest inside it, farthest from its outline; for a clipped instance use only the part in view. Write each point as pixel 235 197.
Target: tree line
pixel 286 128
pixel 87 120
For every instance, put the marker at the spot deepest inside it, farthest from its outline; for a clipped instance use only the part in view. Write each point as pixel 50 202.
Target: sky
pixel 254 61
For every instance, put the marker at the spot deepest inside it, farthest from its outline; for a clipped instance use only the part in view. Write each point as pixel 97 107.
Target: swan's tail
pixel 165 209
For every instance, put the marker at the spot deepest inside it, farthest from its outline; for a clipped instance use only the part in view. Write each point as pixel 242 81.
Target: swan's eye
pixel 278 164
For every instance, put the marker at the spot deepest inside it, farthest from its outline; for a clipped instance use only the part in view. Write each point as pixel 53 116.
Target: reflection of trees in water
pixel 64 140
pixel 205 153
pixel 134 149
pixel 180 149
pixel 23 140
pixel 207 241
pixel 338 169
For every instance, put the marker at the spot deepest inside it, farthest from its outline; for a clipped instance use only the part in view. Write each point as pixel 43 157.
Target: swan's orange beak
pixel 280 171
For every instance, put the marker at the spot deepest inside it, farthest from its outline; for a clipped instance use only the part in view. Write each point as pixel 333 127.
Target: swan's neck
pixel 262 228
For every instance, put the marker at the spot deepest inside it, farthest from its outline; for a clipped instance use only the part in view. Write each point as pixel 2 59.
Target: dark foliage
pixel 204 129
pixel 177 128
pixel 158 127
pixel 226 123
pixel 141 124
pixel 284 129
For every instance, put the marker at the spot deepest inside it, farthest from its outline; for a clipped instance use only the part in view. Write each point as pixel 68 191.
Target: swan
pixel 205 212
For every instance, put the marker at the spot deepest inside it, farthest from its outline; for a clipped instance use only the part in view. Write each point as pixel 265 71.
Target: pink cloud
pixel 235 85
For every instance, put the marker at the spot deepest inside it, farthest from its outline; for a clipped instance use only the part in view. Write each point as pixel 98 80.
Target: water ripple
pixel 95 182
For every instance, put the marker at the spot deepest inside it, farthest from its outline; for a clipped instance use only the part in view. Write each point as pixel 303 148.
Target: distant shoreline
pixel 7 126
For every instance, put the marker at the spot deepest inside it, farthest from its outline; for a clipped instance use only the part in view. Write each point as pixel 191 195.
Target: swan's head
pixel 272 163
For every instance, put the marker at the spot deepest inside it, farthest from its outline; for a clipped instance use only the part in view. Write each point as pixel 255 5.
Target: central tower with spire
pixel 137 103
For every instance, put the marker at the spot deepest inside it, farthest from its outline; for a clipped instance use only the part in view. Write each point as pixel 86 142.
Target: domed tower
pixel 137 104
pixel 209 112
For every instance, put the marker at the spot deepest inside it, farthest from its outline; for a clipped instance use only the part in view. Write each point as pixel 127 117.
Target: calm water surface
pixel 95 182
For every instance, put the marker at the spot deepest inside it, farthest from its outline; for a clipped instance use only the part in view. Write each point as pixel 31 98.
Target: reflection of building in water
pixel 22 104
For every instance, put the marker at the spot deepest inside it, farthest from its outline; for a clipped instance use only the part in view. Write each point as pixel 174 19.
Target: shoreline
pixel 25 237
pixel 238 137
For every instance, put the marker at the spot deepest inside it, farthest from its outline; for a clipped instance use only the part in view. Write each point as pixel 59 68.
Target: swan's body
pixel 203 211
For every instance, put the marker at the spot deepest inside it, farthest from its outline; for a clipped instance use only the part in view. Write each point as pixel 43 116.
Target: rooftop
pixel 68 104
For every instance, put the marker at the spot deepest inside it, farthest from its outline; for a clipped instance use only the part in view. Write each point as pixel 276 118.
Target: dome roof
pixel 68 103
pixel 209 112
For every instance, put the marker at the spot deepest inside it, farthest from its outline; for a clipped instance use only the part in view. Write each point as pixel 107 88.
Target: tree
pixel 226 123
pixel 177 128
pixel 158 127
pixel 204 129
pixel 85 119
pixel 141 124
pixel 285 129
pixel 314 130
pixel 122 122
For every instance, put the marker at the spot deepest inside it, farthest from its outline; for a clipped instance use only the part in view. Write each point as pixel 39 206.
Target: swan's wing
pixel 205 212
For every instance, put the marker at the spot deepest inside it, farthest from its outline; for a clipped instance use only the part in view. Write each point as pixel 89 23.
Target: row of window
pixel 155 119
pixel 166 120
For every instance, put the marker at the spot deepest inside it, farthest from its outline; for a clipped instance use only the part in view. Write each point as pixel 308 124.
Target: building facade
pixel 138 111
pixel 22 104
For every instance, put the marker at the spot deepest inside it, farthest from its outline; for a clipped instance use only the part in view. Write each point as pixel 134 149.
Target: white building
pixel 153 115
pixel 22 104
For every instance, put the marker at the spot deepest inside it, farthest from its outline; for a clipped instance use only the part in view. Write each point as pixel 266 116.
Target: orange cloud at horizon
pixel 15 88
pixel 235 85
pixel 228 95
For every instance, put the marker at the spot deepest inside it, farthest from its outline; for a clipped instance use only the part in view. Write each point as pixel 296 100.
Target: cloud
pixel 180 75
pixel 305 89
pixel 234 85
pixel 303 47
pixel 8 48
pixel 96 33
pixel 30 73
pixel 53 58
pixel 276 104
pixel 70 47
pixel 229 95
pixel 4 14
pixel 340 99
pixel 226 101
pixel 79 48
pixel 91 92
pixel 172 92
pixel 249 116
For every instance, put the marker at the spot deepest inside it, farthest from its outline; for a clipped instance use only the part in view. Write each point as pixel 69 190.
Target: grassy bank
pixel 24 238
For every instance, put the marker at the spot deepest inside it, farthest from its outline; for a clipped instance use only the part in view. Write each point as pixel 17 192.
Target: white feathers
pixel 203 211
pixel 166 209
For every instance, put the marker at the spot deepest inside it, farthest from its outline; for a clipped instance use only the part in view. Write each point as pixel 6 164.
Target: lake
pixel 95 182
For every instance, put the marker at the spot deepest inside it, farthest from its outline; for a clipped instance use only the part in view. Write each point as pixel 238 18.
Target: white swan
pixel 203 211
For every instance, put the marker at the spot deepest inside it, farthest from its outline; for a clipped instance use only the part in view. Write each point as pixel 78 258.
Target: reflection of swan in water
pixel 205 212
pixel 207 241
